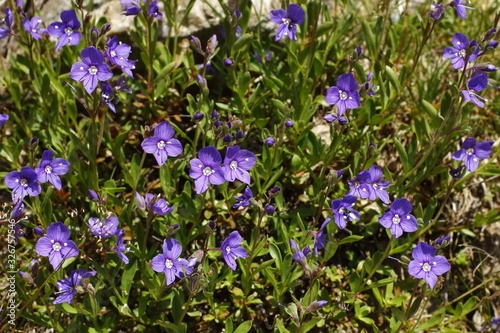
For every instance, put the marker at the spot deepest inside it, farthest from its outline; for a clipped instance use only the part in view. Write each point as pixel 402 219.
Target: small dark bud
pixel 227 138
pixel 197 44
pixel 214 114
pixel 93 196
pixel 105 29
pixel 228 62
pixel 198 116
pixel 270 209
pixel 38 231
pixel 94 36
pixel 239 135
pixel 269 141
pixel 275 189
pixel 211 225
pixel 289 123
pixel 217 124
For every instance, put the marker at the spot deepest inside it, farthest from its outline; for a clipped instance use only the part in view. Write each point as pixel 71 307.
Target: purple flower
pixel 117 53
pixel 398 218
pixel 108 96
pixel 460 8
pixel 231 249
pixel 361 185
pixel 162 144
pixel 131 7
pixel 343 212
pixel 91 70
pixel 206 169
pixel 472 152
pixel 33 27
pixel 158 205
pixel 3 119
pixel 56 245
pixel 298 255
pixel 170 263
pixel 65 30
pixel 236 164
pixel 119 247
pixel 6 23
pixel 378 185
pixel 478 83
pixel 70 285
pixel 458 53
pixel 153 10
pixel 456 173
pixel 436 11
pixel 288 20
pixel 244 200
pixel 320 237
pixel 50 168
pixel 22 183
pixel 426 264
pixel 345 95
pixel 106 228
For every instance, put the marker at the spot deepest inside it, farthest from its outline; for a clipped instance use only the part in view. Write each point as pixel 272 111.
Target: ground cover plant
pixel 328 166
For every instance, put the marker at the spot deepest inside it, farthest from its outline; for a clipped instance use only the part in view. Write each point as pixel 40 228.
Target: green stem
pixel 377 265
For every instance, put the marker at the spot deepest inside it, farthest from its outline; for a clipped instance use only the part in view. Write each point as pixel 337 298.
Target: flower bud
pixel 239 135
pixel 228 62
pixel 269 141
pixel 212 45
pixel 270 209
pixel 314 306
pixel 214 114
pixel 227 138
pixel 93 196
pixel 38 231
pixel 330 118
pixel 289 123
pixel 198 116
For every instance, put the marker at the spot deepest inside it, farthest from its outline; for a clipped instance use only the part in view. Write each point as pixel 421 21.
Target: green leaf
pixel 128 279
pixel 393 78
pixel 244 327
pixel 350 239
pixel 402 155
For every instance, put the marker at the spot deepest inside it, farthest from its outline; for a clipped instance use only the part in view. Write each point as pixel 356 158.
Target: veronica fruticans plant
pixel 162 144
pixel 56 245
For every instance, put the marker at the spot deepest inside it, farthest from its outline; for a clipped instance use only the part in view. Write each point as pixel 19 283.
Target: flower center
pixel 233 165
pixel 343 95
pixel 112 53
pixel 426 267
pixel 228 249
pixel 208 171
pixel 24 182
pixel 396 219
pixel 470 151
pixel 462 53
pixel 161 144
pixel 375 185
pixel 48 169
pixel 169 263
pixel 56 246
pixel 356 184
pixel 68 31
pixel 93 70
pixel 33 30
pixel 286 21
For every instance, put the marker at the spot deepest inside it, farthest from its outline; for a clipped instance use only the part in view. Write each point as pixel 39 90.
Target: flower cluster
pixel 26 181
pixel 369 184
pixel 207 169
pixel 68 287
